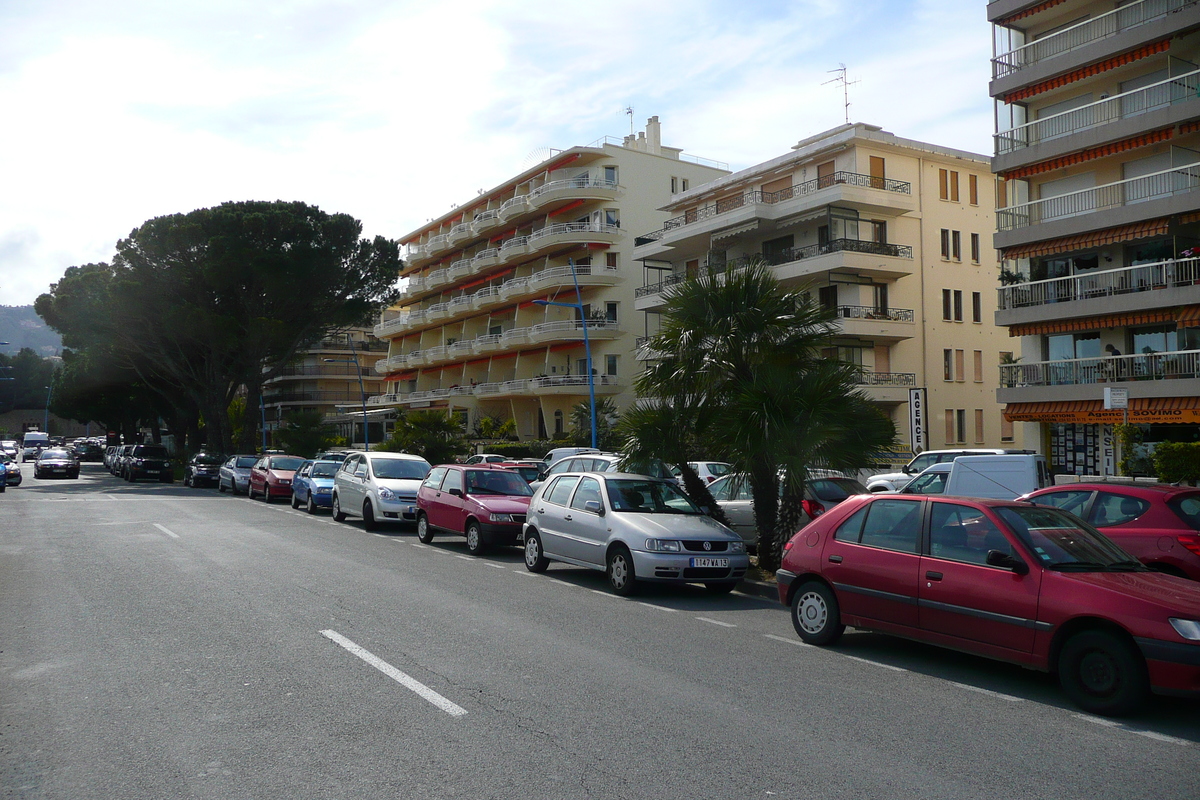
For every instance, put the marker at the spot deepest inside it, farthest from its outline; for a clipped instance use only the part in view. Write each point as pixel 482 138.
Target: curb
pixel 767 591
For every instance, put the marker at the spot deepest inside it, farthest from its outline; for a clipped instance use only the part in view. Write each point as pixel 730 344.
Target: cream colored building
pixel 892 234
pixel 468 334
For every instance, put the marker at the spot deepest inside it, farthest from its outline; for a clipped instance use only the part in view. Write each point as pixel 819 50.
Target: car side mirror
pixel 542 472
pixel 594 507
pixel 456 492
pixel 907 470
pixel 995 558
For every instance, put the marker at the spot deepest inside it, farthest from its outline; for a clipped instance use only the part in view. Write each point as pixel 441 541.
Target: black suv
pixel 203 468
pixel 148 461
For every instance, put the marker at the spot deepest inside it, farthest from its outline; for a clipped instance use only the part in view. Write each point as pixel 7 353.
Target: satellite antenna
pixel 536 156
pixel 846 84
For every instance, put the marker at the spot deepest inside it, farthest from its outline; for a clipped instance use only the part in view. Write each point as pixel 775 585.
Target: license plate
pixel 412 509
pixel 710 562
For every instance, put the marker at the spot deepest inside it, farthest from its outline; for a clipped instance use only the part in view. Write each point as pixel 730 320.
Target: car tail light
pixel 787 545
pixel 813 508
pixel 1191 541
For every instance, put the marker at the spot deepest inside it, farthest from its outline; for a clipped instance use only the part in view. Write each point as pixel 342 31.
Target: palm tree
pixel 433 435
pixel 581 423
pixel 744 352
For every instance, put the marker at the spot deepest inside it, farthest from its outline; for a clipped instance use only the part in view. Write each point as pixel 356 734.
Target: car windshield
pixel 648 497
pixel 323 470
pixel 285 463
pixel 1062 541
pixel 927 483
pixel 399 468
pixel 835 490
pixel 1187 508
pixel 717 468
pixel 56 453
pixel 483 481
pixel 208 460
pixel 150 451
pixel 246 462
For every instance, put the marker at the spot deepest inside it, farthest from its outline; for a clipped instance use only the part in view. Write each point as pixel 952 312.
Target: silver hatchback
pixel 633 527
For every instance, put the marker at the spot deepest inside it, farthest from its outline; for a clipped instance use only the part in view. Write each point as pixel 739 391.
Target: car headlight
pixel 737 547
pixel 1187 628
pixel 502 518
pixel 386 493
pixel 663 546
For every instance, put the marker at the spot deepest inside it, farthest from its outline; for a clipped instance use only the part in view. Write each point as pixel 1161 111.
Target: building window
pixel 960 365
pixel 878 231
pixel 948 184
pixel 674 185
pixel 612 217
pixel 1006 428
pixel 954 187
pixel 947 365
pixel 973 189
pixel 610 312
pixel 976 307
pixel 975 247
pixel 956 245
pixel 979 366
pixel 947 305
pixel 978 421
pixel 611 259
pixel 610 175
pixel 949 426
pixel 960 427
pixel 610 365
pixel 683 184
pixel 958 307
pixel 945 243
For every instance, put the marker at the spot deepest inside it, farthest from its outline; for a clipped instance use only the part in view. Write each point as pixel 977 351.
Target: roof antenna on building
pixel 846 84
pixel 629 111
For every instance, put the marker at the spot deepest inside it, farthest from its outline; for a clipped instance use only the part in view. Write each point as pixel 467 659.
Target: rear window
pixel 835 490
pixel 150 451
pixel 246 462
pixel 207 459
pixel 285 463
pixel 495 482
pixel 399 469
pixel 1187 508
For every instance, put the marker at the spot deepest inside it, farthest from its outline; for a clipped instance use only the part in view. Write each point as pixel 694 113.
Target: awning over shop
pixel 1142 410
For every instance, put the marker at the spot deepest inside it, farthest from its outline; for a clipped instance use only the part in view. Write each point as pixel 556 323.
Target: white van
pixel 894 481
pixel 559 453
pixel 36 439
pixel 997 477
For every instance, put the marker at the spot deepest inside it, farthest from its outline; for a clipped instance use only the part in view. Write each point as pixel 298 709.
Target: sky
pixel 118 111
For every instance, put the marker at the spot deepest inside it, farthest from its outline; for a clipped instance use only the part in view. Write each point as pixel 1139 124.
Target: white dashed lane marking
pixel 717 622
pixel 167 531
pixel 404 680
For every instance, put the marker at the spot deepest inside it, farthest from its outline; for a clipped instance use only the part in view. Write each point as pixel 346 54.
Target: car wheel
pixel 815 614
pixel 220 486
pixel 310 507
pixel 424 529
pixel 475 544
pixel 720 587
pixel 337 510
pixel 1103 673
pixel 369 523
pixel 249 491
pixel 621 576
pixel 535 559
pixel 295 501
pixel 187 479
pixel 36 474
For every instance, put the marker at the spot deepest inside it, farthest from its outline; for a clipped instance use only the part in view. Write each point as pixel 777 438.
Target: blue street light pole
pixel 587 345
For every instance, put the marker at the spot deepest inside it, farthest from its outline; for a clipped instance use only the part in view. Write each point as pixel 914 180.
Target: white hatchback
pixel 379 487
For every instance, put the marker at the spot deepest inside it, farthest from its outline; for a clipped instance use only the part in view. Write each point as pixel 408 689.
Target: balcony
pixel 574 385
pixel 486 389
pixel 417 317
pixel 459 269
pixel 572 233
pixel 460 349
pixel 315 396
pixel 416 358
pixel 459 234
pixel 487 296
pixel 435 355
pixel 391 364
pixel 1102 112
pixel 513 288
pixel 516 388
pixel 484 259
pixel 437 278
pixel 581 187
pixel 572 330
pixel 514 337
pixel 652 294
pixel 437 312
pixel 1155 190
pixel 485 221
pixel 1066 40
pixel 643 351
pixel 385 399
pixel 437 244
pixel 877 324
pixel 415 252
pixel 514 207
pixel 460 305
pixel 861 255
pixel 414 286
pixel 887 387
pixel 585 275
pixel 1167 374
pixel 488 343
pixel 390 327
pixel 514 248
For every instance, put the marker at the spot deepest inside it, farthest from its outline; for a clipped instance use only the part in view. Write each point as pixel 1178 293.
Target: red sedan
pixel 271 477
pixel 1012 581
pixel 1158 523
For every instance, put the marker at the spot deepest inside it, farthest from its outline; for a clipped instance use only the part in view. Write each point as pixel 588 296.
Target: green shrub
pixel 1177 462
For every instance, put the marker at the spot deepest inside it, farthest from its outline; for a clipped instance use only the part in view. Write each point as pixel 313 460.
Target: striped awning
pixel 1188 317
pixel 1155 316
pixel 1029 12
pixel 1090 154
pixel 1083 241
pixel 1088 71
pixel 1143 410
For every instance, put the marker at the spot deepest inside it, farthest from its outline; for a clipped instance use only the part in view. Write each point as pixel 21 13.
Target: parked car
pixel 607 462
pixel 379 487
pixel 312 486
pixel 487 505
pixel 271 476
pixel 203 468
pixel 1157 523
pixel 1013 581
pixel 119 460
pixel 332 455
pixel 527 469
pixel 110 453
pixel 708 471
pixel 732 494
pixel 632 527
pixel 12 471
pixel 559 453
pixel 998 477
pixel 56 462
pixel 895 481
pixel 10 446
pixel 86 451
pixel 147 461
pixel 486 458
pixel 234 474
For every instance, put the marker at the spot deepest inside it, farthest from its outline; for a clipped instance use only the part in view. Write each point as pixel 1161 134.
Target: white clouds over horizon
pixel 124 110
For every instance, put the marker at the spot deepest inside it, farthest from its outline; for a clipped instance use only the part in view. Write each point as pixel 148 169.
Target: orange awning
pixel 1090 154
pixel 1067 244
pixel 1143 410
pixel 1011 18
pixel 1088 71
pixel 1188 317
pixel 565 346
pixel 1094 323
pixel 573 204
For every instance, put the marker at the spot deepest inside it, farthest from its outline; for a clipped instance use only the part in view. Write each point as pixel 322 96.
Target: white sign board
pixel 918 420
pixel 1116 398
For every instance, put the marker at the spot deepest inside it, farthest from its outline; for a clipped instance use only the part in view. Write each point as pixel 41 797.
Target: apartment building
pixel 325 377
pixel 887 233
pixel 480 330
pixel 1097 146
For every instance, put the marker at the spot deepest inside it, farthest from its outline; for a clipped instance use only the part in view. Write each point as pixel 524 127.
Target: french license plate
pixel 710 562
pixel 412 509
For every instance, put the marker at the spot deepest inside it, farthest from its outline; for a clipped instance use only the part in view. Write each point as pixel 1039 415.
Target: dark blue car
pixel 312 485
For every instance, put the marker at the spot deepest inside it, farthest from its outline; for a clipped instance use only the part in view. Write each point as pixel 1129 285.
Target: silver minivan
pixel 379 487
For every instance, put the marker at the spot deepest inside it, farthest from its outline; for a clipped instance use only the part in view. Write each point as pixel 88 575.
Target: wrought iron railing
pixel 1101 283
pixel 1171 365
pixel 661 286
pixel 872 312
pixel 887 379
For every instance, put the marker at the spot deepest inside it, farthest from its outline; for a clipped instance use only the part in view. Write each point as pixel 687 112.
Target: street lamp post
pixel 587 345
pixel 46 416
pixel 361 388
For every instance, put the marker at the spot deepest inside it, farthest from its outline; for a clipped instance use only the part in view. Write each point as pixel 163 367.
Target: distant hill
pixel 21 327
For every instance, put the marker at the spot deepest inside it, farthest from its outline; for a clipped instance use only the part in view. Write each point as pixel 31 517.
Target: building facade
pixel 480 330
pixel 1097 148
pixel 887 233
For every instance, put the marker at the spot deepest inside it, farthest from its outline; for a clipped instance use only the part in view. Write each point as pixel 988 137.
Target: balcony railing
pixel 1105 283
pixel 578 182
pixel 548 381
pixel 561 228
pixel 319 396
pixel 887 379
pixel 1171 365
pixel 871 312
pixel 1122 19
pixel 514 243
pixel 661 286
pixel 790 254
pixel 320 370
pixel 1118 107
pixel 1156 185
pixel 342 344
pixel 728 204
pixel 569 325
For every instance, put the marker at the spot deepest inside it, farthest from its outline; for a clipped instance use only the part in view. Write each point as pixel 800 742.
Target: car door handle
pixel 933 576
pixel 835 559
pixel 567 517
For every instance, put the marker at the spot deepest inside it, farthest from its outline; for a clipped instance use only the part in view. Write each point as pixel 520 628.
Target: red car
pixel 1158 523
pixel 486 504
pixel 271 477
pixel 1017 582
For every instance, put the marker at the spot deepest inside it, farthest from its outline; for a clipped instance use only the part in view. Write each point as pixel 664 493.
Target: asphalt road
pixel 164 642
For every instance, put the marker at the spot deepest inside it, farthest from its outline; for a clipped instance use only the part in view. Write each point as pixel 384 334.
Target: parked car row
pixel 133 462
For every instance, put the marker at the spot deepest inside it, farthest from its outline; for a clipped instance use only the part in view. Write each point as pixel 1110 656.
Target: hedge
pixel 1177 462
